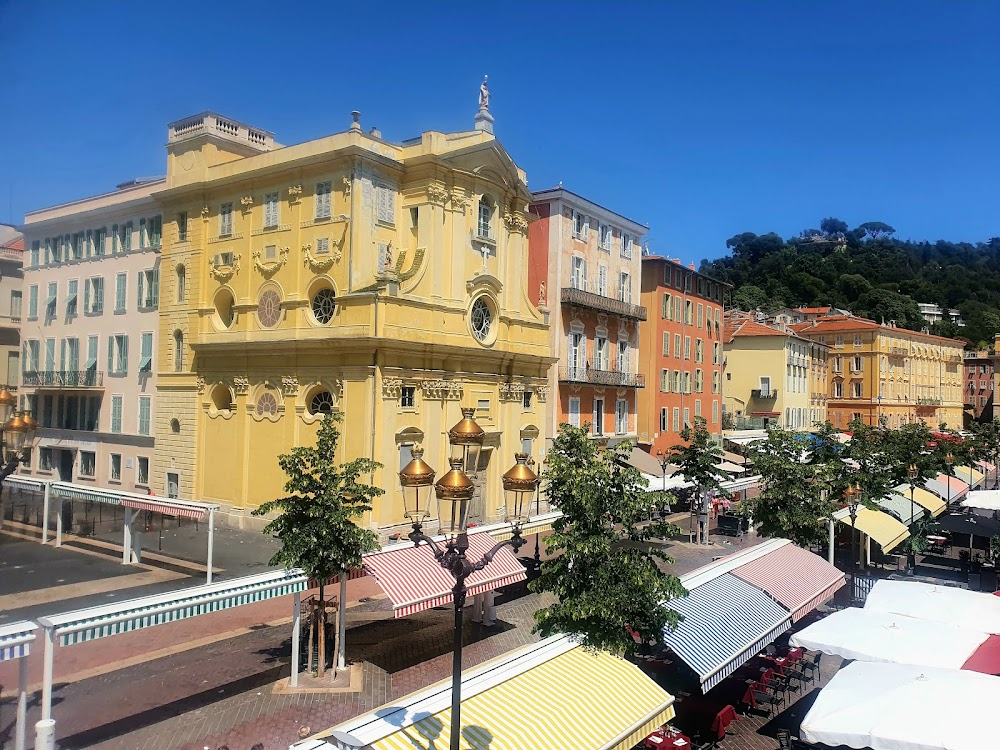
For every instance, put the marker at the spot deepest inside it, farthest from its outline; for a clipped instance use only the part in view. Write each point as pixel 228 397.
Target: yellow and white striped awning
pixel 924 498
pixel 548 695
pixel 881 527
pixel 970 476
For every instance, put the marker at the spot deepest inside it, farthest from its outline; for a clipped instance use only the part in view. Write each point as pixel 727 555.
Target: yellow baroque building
pixel 384 281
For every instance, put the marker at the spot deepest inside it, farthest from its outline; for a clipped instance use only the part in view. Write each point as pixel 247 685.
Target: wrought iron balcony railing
pixel 583 298
pixel 64 379
pixel 761 394
pixel 602 377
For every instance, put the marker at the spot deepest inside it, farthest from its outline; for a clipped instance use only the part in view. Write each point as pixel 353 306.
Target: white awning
pixel 983 499
pixel 870 635
pixel 945 604
pixel 903 707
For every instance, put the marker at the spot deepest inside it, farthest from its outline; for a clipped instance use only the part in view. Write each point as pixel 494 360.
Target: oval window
pixel 269 308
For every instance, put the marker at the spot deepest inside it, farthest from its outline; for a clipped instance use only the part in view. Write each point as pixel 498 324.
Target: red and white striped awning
pixel 414 581
pixel 798 579
pixel 164 506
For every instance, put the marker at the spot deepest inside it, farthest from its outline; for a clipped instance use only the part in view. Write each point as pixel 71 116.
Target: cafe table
pixel 668 738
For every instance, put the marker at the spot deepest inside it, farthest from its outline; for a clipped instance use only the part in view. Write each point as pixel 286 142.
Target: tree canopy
pixel 605 574
pixel 869 271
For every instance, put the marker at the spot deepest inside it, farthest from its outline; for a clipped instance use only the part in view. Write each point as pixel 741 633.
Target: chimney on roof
pixel 691 265
pixel 375 133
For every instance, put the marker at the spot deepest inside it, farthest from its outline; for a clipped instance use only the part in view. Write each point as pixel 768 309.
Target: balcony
pixel 928 401
pixel 761 395
pixel 601 303
pixel 63 379
pixel 614 378
pixel 899 351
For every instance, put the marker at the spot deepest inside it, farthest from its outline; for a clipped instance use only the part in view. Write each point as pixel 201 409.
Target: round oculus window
pixel 269 308
pixel 324 305
pixel 321 403
pixel 267 404
pixel 482 319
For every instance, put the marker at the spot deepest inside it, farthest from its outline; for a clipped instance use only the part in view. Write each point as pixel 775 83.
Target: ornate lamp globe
pixel 32 426
pixel 7 403
pixel 912 472
pixel 15 433
pixel 466 440
pixel 454 495
pixel 949 459
pixel 519 486
pixel 416 479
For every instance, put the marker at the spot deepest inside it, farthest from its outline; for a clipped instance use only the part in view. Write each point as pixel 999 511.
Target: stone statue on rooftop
pixel 484 94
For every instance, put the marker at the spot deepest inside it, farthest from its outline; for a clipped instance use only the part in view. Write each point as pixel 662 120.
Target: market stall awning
pixel 987 468
pixel 972 477
pixel 947 604
pixel 727 621
pixel 901 507
pixel 15 639
pixel 670 482
pixel 925 499
pixel 135 614
pixel 904 707
pixel 982 499
pixel 955 488
pixel 414 581
pixel 647 464
pixel 798 579
pixel 730 467
pixel 870 635
pixel 881 527
pixel 551 694
pixel 969 523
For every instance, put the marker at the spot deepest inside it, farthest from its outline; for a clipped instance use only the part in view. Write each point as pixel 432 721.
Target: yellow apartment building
pixel 386 281
pixel 884 373
pixel 768 375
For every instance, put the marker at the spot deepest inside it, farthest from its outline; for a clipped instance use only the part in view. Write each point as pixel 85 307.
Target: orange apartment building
pixel 584 265
pixel 681 352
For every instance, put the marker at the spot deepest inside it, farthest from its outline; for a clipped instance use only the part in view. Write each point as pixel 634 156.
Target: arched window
pixel 222 398
pixel 178 351
pixel 181 283
pixel 321 402
pixel 485 225
pixel 267 404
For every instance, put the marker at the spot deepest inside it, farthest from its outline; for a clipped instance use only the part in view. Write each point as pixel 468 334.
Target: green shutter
pixel 111 354
pixel 140 287
pixel 155 283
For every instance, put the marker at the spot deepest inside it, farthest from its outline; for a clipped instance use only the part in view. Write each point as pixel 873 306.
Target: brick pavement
pixel 220 693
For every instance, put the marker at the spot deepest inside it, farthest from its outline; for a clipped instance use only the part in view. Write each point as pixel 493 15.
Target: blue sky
pixel 701 120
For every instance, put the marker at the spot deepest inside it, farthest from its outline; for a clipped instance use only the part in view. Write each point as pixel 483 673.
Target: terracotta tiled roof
pixel 15 244
pixel 736 328
pixel 845 323
pixel 812 310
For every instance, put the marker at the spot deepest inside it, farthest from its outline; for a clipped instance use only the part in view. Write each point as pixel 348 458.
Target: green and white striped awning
pixel 15 639
pixel 112 619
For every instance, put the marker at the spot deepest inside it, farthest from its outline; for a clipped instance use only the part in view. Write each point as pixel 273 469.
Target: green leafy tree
pixel 750 297
pixel 697 458
pixel 316 524
pixel 831 226
pixel 607 575
pixel 986 441
pixel 795 496
pixel 876 229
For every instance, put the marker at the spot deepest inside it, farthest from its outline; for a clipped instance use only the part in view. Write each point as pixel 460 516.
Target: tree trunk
pixel 336 636
pixel 321 618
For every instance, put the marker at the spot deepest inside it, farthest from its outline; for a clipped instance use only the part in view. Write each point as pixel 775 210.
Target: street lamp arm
pixel 417 536
pixel 515 541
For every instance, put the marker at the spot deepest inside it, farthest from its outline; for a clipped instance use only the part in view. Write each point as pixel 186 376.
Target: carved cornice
pixel 392 388
pixel 442 390
pixel 459 201
pixel 515 222
pixel 511 391
pixel 542 392
pixel 322 263
pixel 224 273
pixel 200 384
pixel 294 193
pixel 241 385
pixel 246 203
pixel 290 385
pixel 436 193
pixel 267 269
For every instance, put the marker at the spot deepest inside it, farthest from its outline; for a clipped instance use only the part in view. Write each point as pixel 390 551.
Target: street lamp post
pixel 912 473
pixel 664 463
pixel 850 494
pixel 948 461
pixel 538 512
pixel 454 493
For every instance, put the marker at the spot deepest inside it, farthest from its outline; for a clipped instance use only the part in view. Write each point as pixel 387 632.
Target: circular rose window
pixel 269 308
pixel 482 319
pixel 267 404
pixel 324 305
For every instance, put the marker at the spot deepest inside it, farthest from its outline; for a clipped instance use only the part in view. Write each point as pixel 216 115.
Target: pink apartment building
pixel 89 337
